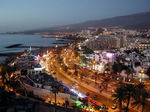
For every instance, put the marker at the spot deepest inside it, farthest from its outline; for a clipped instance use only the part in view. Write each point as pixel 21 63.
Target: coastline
pixel 41 48
pixel 9 54
pixel 16 48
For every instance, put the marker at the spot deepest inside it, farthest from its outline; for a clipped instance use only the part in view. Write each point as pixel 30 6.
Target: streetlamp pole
pixel 141 75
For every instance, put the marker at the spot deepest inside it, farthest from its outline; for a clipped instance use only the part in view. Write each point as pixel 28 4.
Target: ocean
pixel 25 40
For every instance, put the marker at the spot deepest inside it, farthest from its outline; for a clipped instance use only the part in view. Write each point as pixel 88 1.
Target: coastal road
pixel 54 65
pixel 62 76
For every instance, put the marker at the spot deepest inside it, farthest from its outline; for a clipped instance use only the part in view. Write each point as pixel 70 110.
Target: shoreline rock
pixel 13 46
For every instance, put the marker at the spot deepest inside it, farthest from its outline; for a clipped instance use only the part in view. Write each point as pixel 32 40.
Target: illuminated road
pixel 55 67
pixel 61 76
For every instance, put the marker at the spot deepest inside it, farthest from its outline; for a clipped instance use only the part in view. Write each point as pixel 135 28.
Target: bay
pixel 25 40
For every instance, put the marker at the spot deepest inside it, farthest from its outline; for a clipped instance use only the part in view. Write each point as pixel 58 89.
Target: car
pixel 102 108
pixel 75 85
pixel 114 106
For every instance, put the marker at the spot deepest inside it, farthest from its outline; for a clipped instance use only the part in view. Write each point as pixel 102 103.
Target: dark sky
pixel 33 14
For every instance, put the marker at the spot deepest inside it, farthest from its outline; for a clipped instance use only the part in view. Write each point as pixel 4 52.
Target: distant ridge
pixel 134 21
pixel 141 20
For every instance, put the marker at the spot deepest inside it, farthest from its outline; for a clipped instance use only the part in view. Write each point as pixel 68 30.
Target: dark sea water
pixel 26 40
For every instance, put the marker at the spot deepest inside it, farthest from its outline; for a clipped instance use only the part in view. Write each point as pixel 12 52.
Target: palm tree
pixel 55 90
pixel 144 96
pixel 117 67
pixel 119 95
pixel 128 71
pixel 124 92
pixel 129 93
pixel 141 95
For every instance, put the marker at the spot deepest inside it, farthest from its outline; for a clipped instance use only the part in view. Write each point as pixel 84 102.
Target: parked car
pixel 114 106
pixel 102 108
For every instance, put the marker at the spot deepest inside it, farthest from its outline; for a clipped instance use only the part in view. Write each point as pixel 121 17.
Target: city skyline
pixel 26 15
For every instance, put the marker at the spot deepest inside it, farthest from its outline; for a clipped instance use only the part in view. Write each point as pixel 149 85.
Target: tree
pixel 124 93
pixel 55 90
pixel 117 67
pixel 130 92
pixel 88 51
pixel 119 95
pixel 128 71
pixel 141 95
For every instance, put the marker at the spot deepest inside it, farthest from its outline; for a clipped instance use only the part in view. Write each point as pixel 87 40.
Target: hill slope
pixel 135 20
pixel 140 20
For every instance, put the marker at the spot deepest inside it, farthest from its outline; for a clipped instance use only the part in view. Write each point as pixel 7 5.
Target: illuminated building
pixel 103 42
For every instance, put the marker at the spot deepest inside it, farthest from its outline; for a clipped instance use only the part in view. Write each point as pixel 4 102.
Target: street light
pixel 141 74
pixel 94 63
